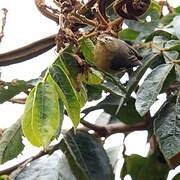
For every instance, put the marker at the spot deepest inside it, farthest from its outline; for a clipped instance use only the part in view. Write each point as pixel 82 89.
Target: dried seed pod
pixel 131 9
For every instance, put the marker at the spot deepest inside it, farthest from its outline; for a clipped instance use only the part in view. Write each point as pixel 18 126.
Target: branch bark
pixel 43 9
pixel 25 162
pixel 27 52
pixel 107 130
pixel 5 11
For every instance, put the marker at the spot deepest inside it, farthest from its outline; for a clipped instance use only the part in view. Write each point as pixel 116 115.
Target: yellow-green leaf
pixel 92 77
pixel 67 93
pixel 45 112
pixel 26 121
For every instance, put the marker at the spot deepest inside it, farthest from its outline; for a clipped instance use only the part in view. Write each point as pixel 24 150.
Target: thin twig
pixel 24 163
pixel 107 130
pixel 42 7
pixel 83 19
pixel 18 101
pixel 5 11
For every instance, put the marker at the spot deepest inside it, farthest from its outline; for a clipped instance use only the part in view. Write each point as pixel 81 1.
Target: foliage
pixel 73 80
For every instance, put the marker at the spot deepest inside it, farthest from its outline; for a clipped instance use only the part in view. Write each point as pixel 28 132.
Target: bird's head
pixel 107 41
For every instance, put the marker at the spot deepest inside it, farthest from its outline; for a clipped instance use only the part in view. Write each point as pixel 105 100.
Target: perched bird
pixel 112 54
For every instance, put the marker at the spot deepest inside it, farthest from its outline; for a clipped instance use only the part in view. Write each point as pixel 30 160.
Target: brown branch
pixel 107 130
pixel 87 6
pixel 27 52
pixel 18 101
pixel 45 10
pixel 50 150
pixel 82 19
pixel 5 11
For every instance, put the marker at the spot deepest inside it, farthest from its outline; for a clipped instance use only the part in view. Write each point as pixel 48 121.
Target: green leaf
pixel 151 87
pixel 151 168
pixel 177 177
pixel 46 168
pixel 89 156
pixel 112 88
pixel 176 26
pixel 128 34
pixel 137 75
pixel 87 48
pixel 67 93
pixel 167 128
pixel 11 143
pixel 10 89
pixel 93 92
pixel 92 77
pixel 27 119
pixel 71 68
pixel 132 165
pixel 82 95
pixel 45 112
pixel 110 104
pixel 160 33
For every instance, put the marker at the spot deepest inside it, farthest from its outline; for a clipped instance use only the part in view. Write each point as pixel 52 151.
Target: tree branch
pixel 5 11
pixel 44 10
pixel 25 162
pixel 27 52
pixel 107 130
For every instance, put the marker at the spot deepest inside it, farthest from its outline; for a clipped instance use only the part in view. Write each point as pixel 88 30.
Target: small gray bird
pixel 112 54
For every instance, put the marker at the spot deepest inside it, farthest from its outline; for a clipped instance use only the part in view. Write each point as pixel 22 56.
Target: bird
pixel 112 54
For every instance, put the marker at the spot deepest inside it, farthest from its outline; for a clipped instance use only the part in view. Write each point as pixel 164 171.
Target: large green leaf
pixel 27 119
pixel 45 112
pixel 71 68
pixel 128 34
pixel 152 85
pixel 48 167
pixel 137 75
pixel 10 89
pixel 160 33
pixel 88 155
pixel 140 168
pixel 167 128
pixel 87 48
pixel 93 92
pixel 127 113
pixel 67 93
pixel 41 117
pixel 11 143
pixel 92 77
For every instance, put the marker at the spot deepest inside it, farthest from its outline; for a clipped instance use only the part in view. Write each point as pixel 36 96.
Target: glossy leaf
pixel 137 75
pixel 87 48
pixel 27 119
pixel 150 168
pixel 159 33
pixel 11 142
pixel 152 85
pixel 93 92
pixel 92 77
pixel 127 113
pixel 46 167
pixel 128 34
pixel 67 93
pixel 46 113
pixel 88 155
pixel 167 128
pixel 112 88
